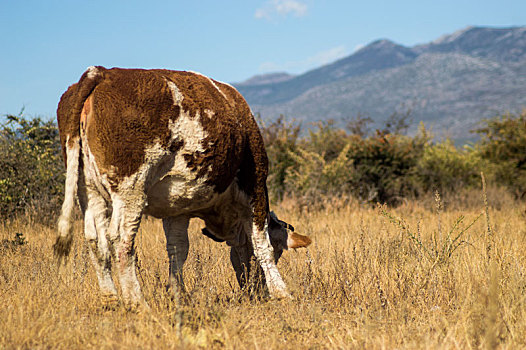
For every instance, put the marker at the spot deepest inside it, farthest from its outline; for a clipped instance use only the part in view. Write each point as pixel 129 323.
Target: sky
pixel 46 45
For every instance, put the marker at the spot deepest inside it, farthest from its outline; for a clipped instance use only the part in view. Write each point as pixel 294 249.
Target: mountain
pixel 499 44
pixel 380 54
pixel 451 83
pixel 270 78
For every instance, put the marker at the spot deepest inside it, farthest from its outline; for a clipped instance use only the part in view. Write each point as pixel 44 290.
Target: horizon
pixel 49 45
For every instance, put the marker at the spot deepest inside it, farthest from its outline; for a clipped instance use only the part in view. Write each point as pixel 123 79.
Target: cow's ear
pixel 296 240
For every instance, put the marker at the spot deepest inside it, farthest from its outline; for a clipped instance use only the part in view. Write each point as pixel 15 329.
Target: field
pixel 422 275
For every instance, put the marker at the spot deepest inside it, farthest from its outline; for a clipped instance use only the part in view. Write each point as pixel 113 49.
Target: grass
pixel 369 280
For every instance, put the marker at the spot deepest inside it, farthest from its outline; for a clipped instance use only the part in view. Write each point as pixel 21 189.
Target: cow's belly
pixel 174 195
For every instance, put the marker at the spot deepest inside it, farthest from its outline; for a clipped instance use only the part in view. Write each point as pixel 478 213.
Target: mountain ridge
pixel 452 82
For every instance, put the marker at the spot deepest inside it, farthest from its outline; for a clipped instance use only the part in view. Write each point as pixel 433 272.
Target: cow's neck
pixel 229 216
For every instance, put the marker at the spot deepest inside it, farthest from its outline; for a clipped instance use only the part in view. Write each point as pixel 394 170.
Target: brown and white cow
pixel 174 145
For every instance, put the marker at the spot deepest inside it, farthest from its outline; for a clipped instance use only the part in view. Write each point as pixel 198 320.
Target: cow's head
pixel 283 237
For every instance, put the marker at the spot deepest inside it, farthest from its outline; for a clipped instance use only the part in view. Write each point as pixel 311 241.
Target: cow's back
pixel 206 124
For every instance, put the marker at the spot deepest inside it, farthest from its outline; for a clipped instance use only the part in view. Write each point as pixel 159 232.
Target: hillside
pixel 451 83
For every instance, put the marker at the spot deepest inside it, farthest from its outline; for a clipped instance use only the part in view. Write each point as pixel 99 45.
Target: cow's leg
pixel 265 254
pixel 96 214
pixel 240 259
pixel 176 231
pixel 96 221
pixel 125 221
pixel 252 181
pixel 249 273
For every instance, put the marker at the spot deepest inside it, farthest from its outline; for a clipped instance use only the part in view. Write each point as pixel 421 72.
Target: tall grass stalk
pixel 493 280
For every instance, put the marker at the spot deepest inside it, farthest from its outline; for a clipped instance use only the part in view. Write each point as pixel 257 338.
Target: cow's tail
pixel 62 245
pixel 68 115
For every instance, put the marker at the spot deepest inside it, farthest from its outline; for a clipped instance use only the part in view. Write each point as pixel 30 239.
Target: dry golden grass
pixel 367 281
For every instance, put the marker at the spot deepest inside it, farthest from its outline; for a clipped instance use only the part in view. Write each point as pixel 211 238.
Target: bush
pixel 31 169
pixel 387 166
pixel 384 167
pixel 325 139
pixel 281 140
pixel 329 161
pixel 314 176
pixel 503 145
pixel 446 168
pixel 320 163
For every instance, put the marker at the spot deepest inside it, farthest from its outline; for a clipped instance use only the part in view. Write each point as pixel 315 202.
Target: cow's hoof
pixel 280 295
pixel 62 247
pixel 178 295
pixel 140 307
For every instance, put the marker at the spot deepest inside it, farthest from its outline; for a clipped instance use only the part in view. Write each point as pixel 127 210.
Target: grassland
pixel 374 278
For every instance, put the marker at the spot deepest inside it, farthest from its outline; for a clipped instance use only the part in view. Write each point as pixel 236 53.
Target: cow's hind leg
pixel 96 221
pixel 124 224
pixel 176 231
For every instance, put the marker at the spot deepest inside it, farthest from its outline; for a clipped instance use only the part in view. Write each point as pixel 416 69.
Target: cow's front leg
pixel 249 274
pixel 176 231
pixel 265 255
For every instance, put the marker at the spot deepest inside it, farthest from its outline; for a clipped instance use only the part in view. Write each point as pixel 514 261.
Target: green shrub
pixel 319 164
pixel 325 139
pixel 281 140
pixel 329 161
pixel 503 145
pixel 314 176
pixel 31 168
pixel 446 168
pixel 384 167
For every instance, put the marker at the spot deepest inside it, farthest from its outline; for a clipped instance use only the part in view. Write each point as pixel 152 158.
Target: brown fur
pixel 70 106
pixel 131 109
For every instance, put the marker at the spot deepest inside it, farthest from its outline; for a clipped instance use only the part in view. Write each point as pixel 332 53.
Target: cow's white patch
pixel 189 130
pixel 92 173
pixel 176 94
pixel 180 186
pixel 92 72
pixel 209 113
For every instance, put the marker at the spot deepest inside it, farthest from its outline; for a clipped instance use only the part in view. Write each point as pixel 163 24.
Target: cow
pixel 174 145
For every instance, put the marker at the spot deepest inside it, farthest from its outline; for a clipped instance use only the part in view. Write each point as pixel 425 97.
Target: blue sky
pixel 46 45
